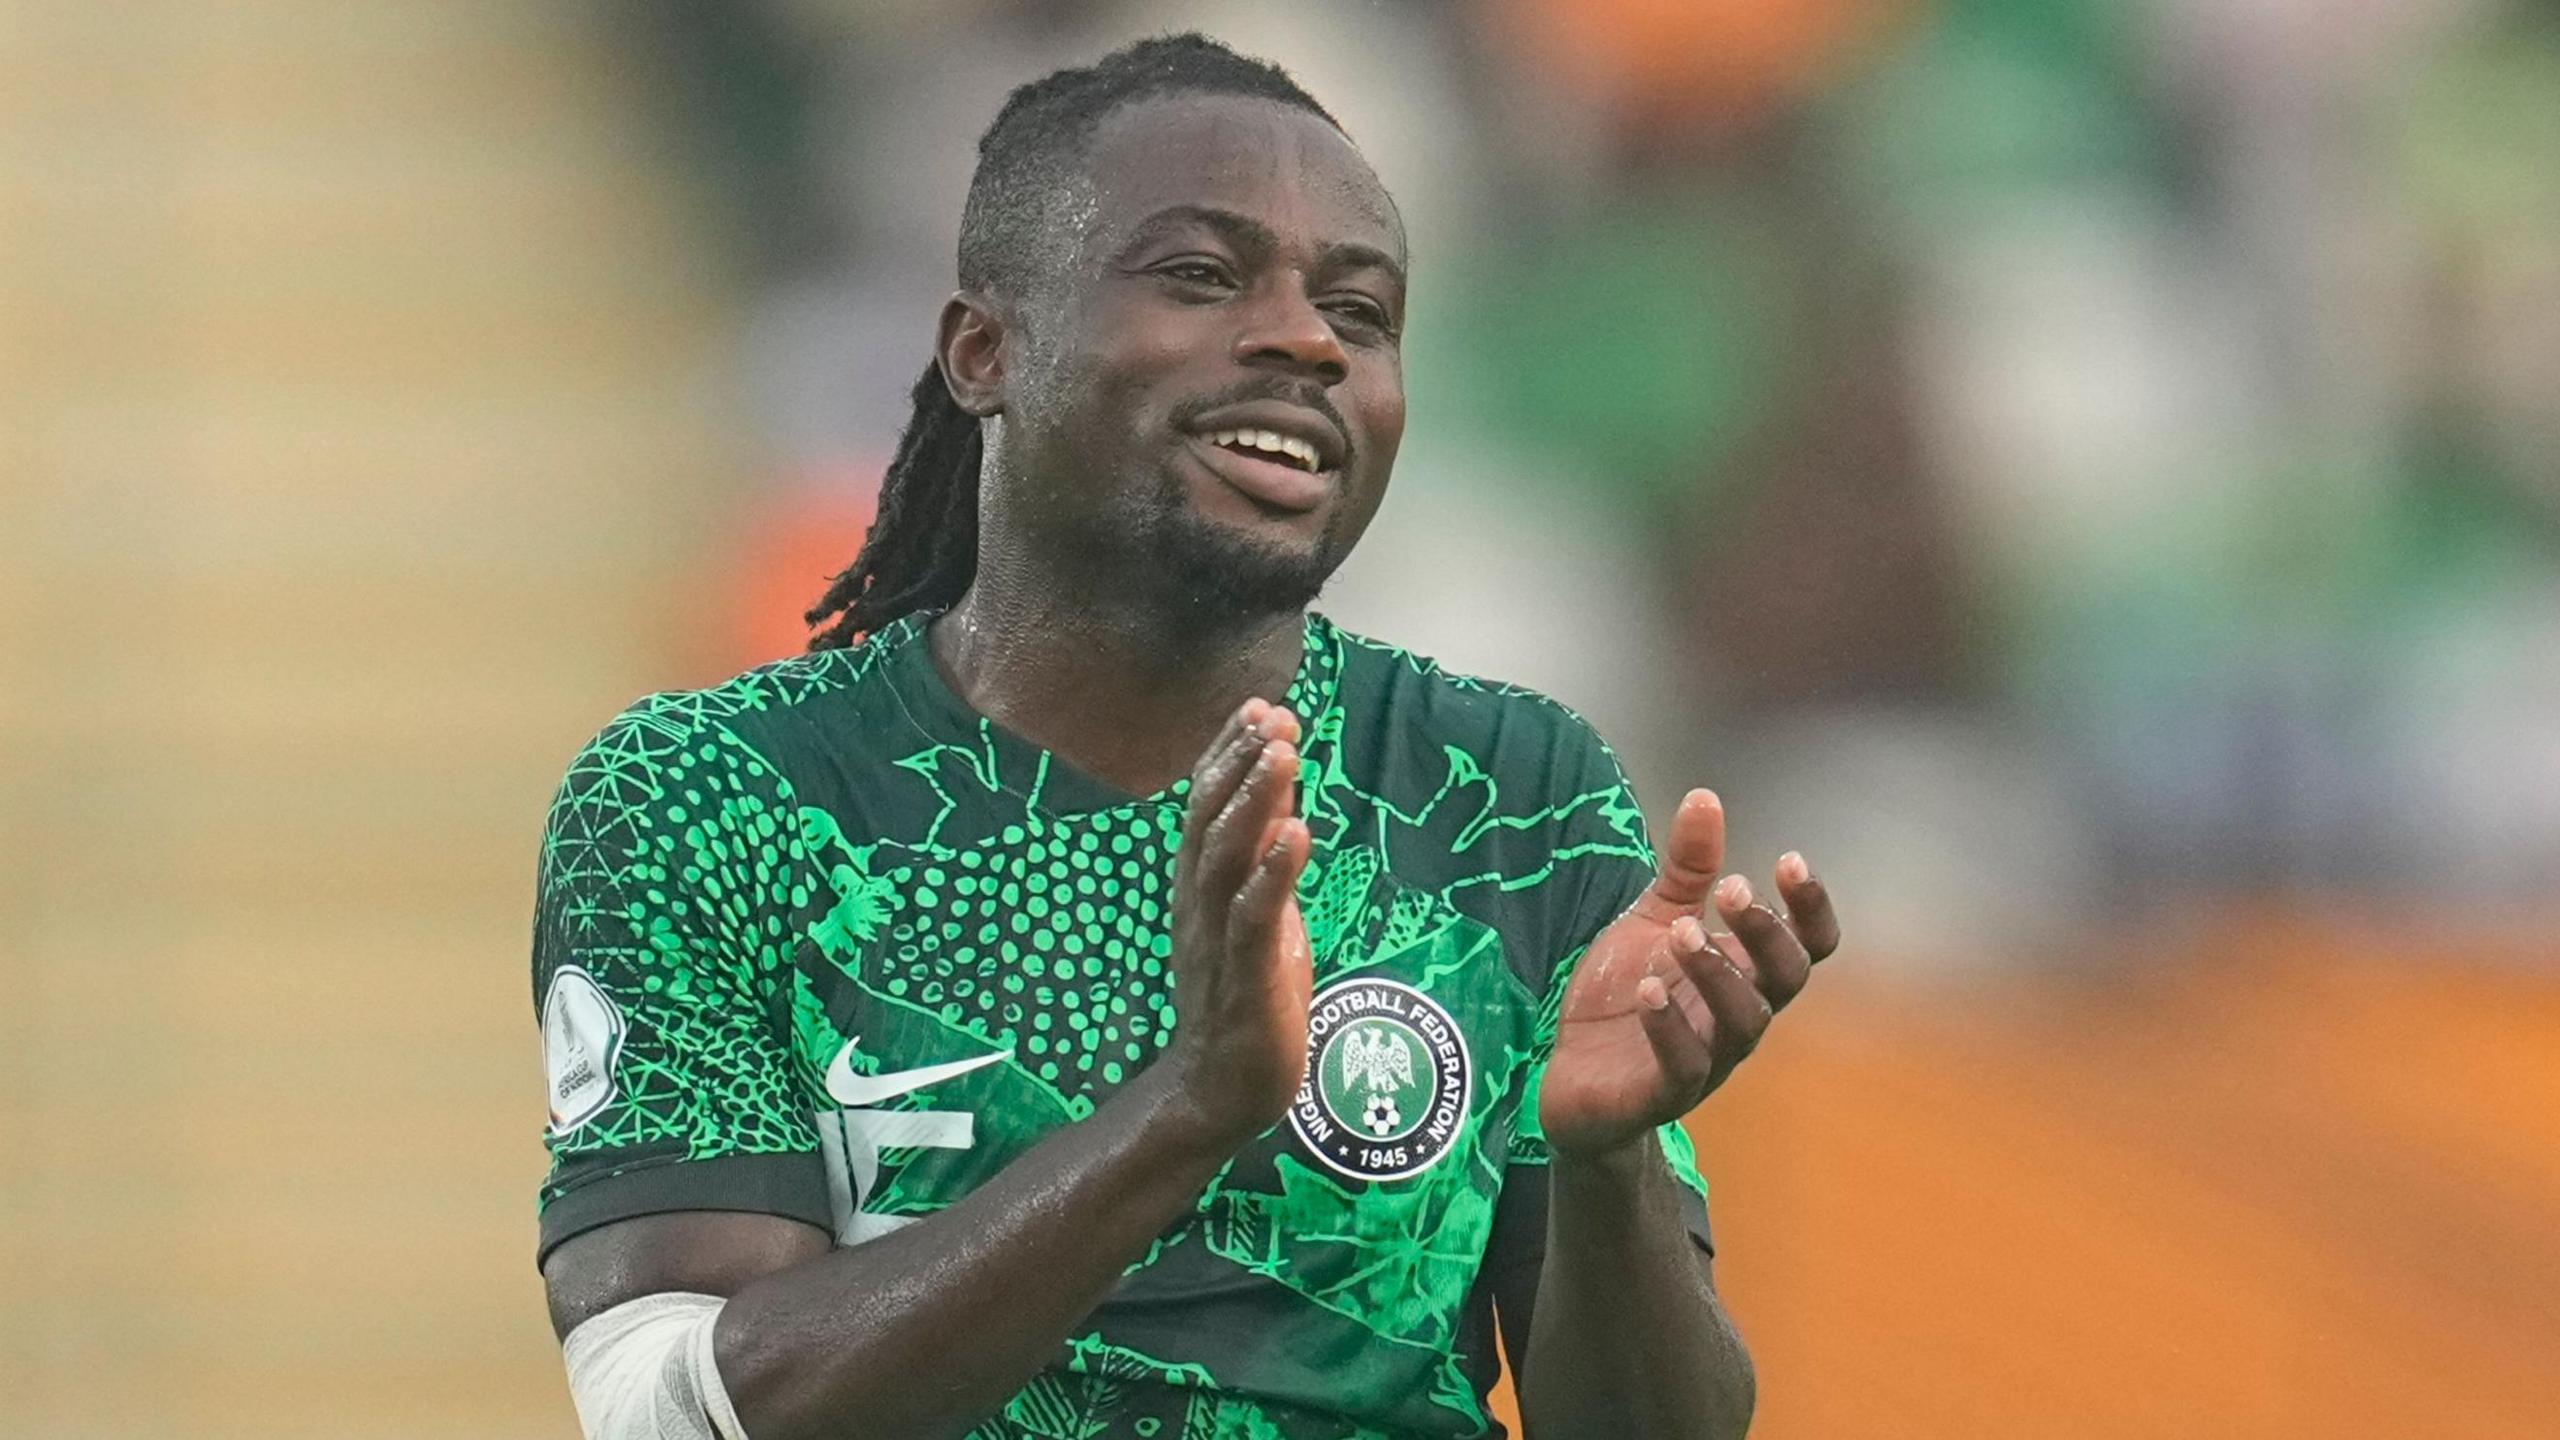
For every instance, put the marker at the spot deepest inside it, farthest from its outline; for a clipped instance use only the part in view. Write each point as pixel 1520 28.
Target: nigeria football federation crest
pixel 1387 1080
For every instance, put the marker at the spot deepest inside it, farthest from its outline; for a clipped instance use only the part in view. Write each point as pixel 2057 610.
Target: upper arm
pixel 705 1252
pixel 672 874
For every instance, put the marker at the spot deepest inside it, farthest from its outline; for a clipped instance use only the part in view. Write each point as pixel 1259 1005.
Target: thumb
pixel 1692 857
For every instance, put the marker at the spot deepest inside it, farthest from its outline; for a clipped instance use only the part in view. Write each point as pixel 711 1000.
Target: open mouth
pixel 1275 471
pixel 1267 446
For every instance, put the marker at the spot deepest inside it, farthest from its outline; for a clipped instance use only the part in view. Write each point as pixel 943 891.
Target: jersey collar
pixel 1050 782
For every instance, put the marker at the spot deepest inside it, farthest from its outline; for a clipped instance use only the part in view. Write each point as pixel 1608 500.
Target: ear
pixel 970 349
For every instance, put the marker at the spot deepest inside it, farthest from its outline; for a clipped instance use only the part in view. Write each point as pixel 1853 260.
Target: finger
pixel 1687 1061
pixel 1741 1012
pixel 1690 859
pixel 1702 957
pixel 1222 767
pixel 1661 961
pixel 1779 962
pixel 1731 947
pixel 1254 916
pixel 1296 948
pixel 1689 938
pixel 1215 773
pixel 1808 906
pixel 1228 847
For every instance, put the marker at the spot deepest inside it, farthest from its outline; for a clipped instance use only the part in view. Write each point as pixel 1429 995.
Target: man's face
pixel 1216 387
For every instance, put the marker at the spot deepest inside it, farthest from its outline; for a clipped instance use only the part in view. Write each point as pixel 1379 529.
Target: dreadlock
pixel 922 550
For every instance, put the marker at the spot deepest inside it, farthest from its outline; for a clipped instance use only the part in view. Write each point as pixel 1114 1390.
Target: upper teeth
pixel 1289 445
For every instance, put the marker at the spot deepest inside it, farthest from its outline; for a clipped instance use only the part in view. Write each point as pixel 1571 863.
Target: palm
pixel 1660 1010
pixel 1606 1085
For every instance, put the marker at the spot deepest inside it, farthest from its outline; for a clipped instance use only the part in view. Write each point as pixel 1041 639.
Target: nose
pixel 1286 331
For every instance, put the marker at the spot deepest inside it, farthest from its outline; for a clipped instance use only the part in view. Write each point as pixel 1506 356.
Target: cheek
pixel 1381 402
pixel 1042 386
pixel 1159 335
pixel 1128 373
pixel 1096 370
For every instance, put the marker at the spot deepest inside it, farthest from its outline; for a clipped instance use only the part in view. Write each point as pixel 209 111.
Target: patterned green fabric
pixel 767 906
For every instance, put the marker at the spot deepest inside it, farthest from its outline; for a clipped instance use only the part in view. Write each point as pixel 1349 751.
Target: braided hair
pixel 922 550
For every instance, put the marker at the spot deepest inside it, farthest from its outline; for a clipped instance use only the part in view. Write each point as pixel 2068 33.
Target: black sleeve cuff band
pixel 791 1186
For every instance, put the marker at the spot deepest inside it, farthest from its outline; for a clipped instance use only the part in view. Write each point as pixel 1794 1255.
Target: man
pixel 1090 995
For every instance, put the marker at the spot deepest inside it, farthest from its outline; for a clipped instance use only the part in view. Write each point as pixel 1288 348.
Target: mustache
pixel 1307 397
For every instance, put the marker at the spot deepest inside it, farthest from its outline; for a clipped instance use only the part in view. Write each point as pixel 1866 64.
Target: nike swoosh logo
pixel 851 1089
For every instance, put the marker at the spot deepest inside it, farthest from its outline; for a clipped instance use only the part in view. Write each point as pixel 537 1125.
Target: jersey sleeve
pixel 661 971
pixel 1602 880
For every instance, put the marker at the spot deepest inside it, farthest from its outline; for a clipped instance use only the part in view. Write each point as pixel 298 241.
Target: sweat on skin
pixel 1126 812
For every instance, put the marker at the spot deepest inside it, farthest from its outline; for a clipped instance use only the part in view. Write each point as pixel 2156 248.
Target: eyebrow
pixel 1245 232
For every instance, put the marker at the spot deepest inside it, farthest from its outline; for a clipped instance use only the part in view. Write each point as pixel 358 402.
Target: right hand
pixel 1242 969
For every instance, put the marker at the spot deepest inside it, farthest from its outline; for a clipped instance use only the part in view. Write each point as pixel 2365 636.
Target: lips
pixel 1284 456
pixel 1278 483
pixel 1267 445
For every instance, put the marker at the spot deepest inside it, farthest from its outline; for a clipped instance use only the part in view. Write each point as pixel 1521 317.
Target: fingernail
pixel 1688 934
pixel 1792 869
pixel 1654 994
pixel 1733 893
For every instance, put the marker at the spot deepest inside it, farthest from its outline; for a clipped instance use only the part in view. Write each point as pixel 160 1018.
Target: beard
pixel 1218 573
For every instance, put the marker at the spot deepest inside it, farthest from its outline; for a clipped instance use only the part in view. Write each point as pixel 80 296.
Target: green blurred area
pixel 2087 474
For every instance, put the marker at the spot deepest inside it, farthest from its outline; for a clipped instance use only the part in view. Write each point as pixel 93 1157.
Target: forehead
pixel 1273 162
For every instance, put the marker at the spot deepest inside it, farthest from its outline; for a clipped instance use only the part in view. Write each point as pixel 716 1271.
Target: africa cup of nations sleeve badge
pixel 581 1040
pixel 1387 1083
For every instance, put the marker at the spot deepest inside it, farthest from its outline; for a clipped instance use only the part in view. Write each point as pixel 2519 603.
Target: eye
pixel 1361 311
pixel 1196 272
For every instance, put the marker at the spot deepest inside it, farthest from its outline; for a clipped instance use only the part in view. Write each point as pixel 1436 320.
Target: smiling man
pixel 1091 995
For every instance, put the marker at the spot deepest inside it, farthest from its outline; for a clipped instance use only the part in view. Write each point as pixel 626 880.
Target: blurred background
pixel 2088 473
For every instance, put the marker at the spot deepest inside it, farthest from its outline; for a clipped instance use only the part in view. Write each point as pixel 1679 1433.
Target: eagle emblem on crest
pixel 1376 1058
pixel 1388 1083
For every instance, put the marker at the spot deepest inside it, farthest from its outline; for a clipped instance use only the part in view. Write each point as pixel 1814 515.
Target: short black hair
pixel 922 550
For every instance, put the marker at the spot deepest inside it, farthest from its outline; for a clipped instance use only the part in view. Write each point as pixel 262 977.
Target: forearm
pixel 1628 1338
pixel 928 1330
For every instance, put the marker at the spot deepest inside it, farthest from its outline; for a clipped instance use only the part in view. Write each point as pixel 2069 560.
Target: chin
pixel 1230 569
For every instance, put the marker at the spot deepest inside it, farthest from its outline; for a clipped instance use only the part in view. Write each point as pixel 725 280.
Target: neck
pixel 1123 687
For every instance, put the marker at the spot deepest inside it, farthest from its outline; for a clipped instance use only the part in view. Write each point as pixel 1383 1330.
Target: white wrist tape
pixel 642 1371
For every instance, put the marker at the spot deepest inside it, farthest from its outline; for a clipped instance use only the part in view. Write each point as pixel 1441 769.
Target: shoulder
pixel 754 699
pixel 1408 707
pixel 744 735
pixel 1499 798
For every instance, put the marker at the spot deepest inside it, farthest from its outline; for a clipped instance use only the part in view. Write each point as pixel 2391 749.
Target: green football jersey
pixel 823 942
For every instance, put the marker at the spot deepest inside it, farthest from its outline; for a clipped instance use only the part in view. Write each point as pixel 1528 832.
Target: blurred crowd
pixel 2051 459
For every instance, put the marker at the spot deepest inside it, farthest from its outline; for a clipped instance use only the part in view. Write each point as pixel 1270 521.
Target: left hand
pixel 1661 1009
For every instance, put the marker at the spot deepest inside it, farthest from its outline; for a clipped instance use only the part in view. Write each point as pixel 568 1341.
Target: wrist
pixel 1625 1165
pixel 1185 1112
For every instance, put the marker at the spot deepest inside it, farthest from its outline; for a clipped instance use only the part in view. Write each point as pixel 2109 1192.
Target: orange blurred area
pixel 381 414
pixel 794 542
pixel 1691 61
pixel 2276 1188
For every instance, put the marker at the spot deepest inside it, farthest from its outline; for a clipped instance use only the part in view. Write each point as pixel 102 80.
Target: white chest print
pixel 852 1138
